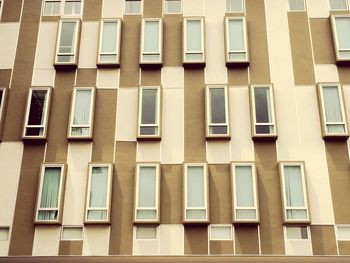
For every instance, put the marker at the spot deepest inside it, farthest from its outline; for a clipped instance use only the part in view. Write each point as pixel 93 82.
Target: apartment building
pixel 174 130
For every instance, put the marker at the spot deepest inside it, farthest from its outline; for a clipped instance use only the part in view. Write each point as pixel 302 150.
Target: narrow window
pixel 297 232
pixel 37 113
pixel 193 41
pixel 52 8
pixel 98 194
pixel 294 192
pixel 220 232
pixel 4 233
pixel 343 233
pixel 72 233
pixel 2 101
pixel 236 41
pixel 146 232
pixel 1 5
pixel 50 193
pixel 333 110
pixel 109 48
pixel 149 112
pixel 234 6
pixel 72 7
pixel 263 111
pixel 296 5
pixel 196 193
pixel 217 111
pixel 341 35
pixel 82 113
pixel 151 42
pixel 336 5
pixel 172 6
pixel 133 7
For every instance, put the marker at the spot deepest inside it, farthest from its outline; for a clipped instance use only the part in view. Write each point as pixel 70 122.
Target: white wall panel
pixel 108 78
pixel 193 7
pixel 171 239
pixel 172 77
pixel 218 151
pixel 298 248
pixel 148 152
pixel 46 46
pixel 96 241
pixel 317 8
pixel 88 45
pixel 326 73
pixel 112 8
pixel 46 241
pixel 8 44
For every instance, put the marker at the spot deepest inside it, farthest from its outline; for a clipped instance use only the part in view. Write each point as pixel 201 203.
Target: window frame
pixel 172 13
pixel 332 10
pixel 308 231
pixel 73 239
pixel 337 226
pixel 60 194
pixel 1 7
pixel 159 62
pixel 158 123
pixel 50 1
pixel 2 105
pixel 219 225
pixel 185 62
pixel 130 14
pixel 339 60
pixel 257 136
pixel 157 194
pixel 206 194
pixel 235 12
pixel 91 114
pixel 322 112
pixel 46 113
pixel 301 164
pixel 73 64
pixel 63 6
pixel 226 136
pixel 115 63
pixel 292 11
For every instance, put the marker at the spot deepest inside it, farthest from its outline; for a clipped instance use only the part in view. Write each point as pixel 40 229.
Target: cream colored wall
pixel 172 77
pixel 108 78
pixel 148 152
pixel 193 7
pixel 326 73
pixel 88 45
pixel 317 8
pixel 218 151
pixel 46 241
pixel 96 241
pixel 8 44
pixel 171 239
pixel 144 246
pixel 43 77
pixel 46 45
pixel 112 8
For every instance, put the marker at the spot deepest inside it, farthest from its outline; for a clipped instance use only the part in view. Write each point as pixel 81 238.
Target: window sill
pixel 51 223
pixel 97 222
pixel 76 138
pixel 246 222
pixel 188 64
pixel 65 66
pixel 194 222
pixel 343 62
pixel 237 64
pixel 218 137
pixel 263 137
pixel 336 137
pixel 140 222
pixel 297 222
pixel 107 65
pixel 148 138
pixel 151 65
pixel 35 139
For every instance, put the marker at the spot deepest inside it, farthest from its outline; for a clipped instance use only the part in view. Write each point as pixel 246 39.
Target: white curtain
pixel 333 109
pixel 82 111
pixel 67 37
pixel 147 192
pixel 195 186
pixel 98 193
pixel 109 37
pixel 193 36
pixel 151 36
pixel 337 4
pixel 236 35
pixel 343 32
pixel 72 7
pixel 50 193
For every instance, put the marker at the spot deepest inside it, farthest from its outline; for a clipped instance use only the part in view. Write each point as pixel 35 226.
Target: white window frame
pixel 48 1
pixel 45 113
pixel 172 13
pixel 253 112
pixel 301 10
pixel 208 112
pixel 160 42
pixel 72 239
pixel 107 208
pixel 219 225
pixel 245 38
pixel 326 134
pixel 91 113
pixel 335 38
pixel 337 233
pixel 184 43
pixel 206 194
pixel 346 9
pixel 117 48
pixel 157 194
pixel 60 193
pixel 75 45
pixel 146 239
pixel 130 14
pixel 305 193
pixel 158 114
pixel 234 194
pixel 63 6
pixel 1 7
pixel 308 239
pixel 3 101
pixel 235 12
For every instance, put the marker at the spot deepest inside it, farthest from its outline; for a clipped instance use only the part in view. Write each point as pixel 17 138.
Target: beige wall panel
pixel 171 194
pixel 344 73
pixel 172 77
pixel 5 77
pixel 196 240
pixel 127 114
pixel 220 194
pixel 88 45
pixel 298 248
pixel 150 77
pixel 237 76
pixel 193 7
pixel 172 144
pixel 145 247
pixel 11 11
pixel 344 247
pixel 9 35
pixel 221 247
pixel 246 239
pixel 108 78
pixel 92 10
pixel 326 73
pixel 86 77
pixel 79 155
pixel 72 248
pixel 171 239
pixel 112 8
pixel 46 240
pixel 4 248
pixel 317 9
pixel 96 241
pixel 172 40
pixel 215 70
pixel 148 152
pixel 242 148
pixel 218 151
pixel 152 8
pixel 323 240
pixel 46 47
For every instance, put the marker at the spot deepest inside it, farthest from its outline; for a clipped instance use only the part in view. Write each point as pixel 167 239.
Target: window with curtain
pixel 52 8
pixel 82 112
pixel 72 7
pixel 217 110
pixel 149 111
pixel 109 41
pixel 173 6
pixel 220 232
pixel 151 46
pixel 194 46
pixel 338 4
pixel 66 52
pixel 341 28
pixel 297 232
pixel 296 5
pixel 234 6
pixel 50 190
pixel 133 6
pixel 236 35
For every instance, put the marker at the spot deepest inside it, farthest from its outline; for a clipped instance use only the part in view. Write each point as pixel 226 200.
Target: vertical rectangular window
pixel 2 101
pixel 336 5
pixel 147 193
pixel 151 41
pixel 72 233
pixel 133 7
pixel 296 5
pixel 149 112
pixel 343 233
pixel 1 5
pixel 72 7
pixel 172 6
pixel 217 111
pixel 50 193
pixel 236 41
pixel 341 36
pixel 193 40
pixel 294 192
pixel 297 232
pixel 220 232
pixel 4 233
pixel 37 113
pixel 196 193
pixel 82 109
pixel 52 8
pixel 263 111
pixel 67 42
pixel 109 48
pixel 234 6
pixel 333 110
pixel 99 193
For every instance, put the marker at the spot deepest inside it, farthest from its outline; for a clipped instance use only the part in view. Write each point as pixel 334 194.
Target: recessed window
pixel 109 48
pixel 147 193
pixel 98 193
pixel 263 111
pixel 4 233
pixel 149 113
pixel 341 36
pixel 1 6
pixel 2 101
pixel 220 232
pixel 294 192
pixel 52 8
pixel 297 232
pixel 217 112
pixel 50 193
pixel 37 113
pixel 151 41
pixel 336 5
pixel 343 233
pixel 72 7
pixel 133 7
pixel 234 6
pixel 193 37
pixel 72 233
pixel 332 110
pixel 296 5
pixel 172 6
pixel 196 193
pixel 146 232
pixel 81 117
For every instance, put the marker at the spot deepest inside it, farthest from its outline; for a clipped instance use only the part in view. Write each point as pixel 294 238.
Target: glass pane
pixel 34 131
pixel 342 25
pixel 146 214
pixel 72 7
pixel 332 109
pixel 263 111
pixel 236 35
pixel 217 129
pixel 217 105
pixel 98 192
pixel 221 233
pixel 72 233
pixel 297 232
pixel 133 6
pixel 108 58
pixel 337 4
pixel 296 214
pixel 109 37
pixel 344 54
pixel 194 57
pixel 147 187
pixel 195 214
pixel 244 186
pixel 148 130
pixel 65 58
pixel 37 107
pixel 149 57
pixel 234 6
pixel 82 107
pixel 195 186
pixel 80 131
pixel 151 36
pixel 149 106
pixel 173 6
pixel 67 37
pixel 146 232
pixel 264 129
pixel 193 36
pixel 97 214
pixel 238 56
pixel 4 231
pixel 344 233
pixel 296 5
pixel 245 214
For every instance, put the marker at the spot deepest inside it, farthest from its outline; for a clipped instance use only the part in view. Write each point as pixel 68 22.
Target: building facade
pixel 175 128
